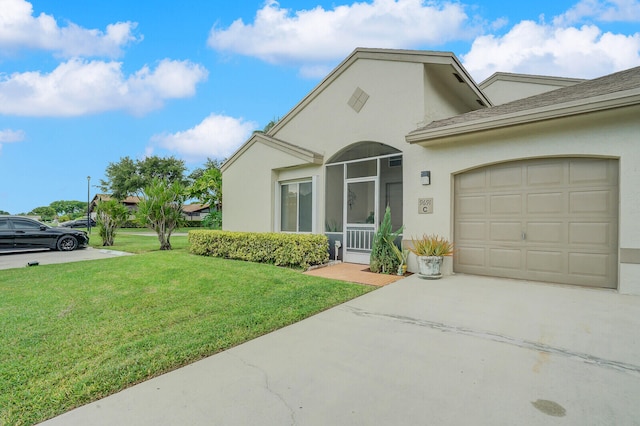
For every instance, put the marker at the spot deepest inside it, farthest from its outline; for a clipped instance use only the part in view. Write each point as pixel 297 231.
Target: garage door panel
pixel 472 231
pixel 593 172
pixel 505 177
pixel 506 232
pixel 591 202
pixel 552 174
pixel 596 234
pixel 473 205
pixel 506 204
pixel 470 257
pixel 589 264
pixel 546 261
pixel 550 220
pixel 472 181
pixel 547 203
pixel 546 232
pixel 505 259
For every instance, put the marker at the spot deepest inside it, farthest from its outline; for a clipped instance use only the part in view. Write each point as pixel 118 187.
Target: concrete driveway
pixel 462 350
pixel 47 257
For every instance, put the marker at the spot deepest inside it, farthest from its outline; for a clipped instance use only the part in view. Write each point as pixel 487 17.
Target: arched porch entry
pixel 361 181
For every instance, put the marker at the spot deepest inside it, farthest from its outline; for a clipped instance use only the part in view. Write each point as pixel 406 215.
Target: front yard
pixel 73 333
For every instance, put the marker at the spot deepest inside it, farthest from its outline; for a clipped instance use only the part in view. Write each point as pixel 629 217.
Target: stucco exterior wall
pixel 612 134
pixel 248 188
pixel 394 108
pixel 398 93
pixel 502 92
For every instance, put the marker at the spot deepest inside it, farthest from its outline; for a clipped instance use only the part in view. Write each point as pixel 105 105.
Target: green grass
pixel 131 242
pixel 73 333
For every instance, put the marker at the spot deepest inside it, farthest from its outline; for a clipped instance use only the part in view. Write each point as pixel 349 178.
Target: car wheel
pixel 67 243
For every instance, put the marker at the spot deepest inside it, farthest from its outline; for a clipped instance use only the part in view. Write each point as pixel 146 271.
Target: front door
pixel 360 205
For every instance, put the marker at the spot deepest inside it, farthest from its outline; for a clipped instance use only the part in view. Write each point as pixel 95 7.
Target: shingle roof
pixel 190 208
pixel 617 82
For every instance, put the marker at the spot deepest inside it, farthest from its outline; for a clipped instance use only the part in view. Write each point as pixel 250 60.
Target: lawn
pixel 73 333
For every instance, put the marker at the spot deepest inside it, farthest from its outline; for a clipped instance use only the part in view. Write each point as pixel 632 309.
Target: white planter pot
pixel 429 267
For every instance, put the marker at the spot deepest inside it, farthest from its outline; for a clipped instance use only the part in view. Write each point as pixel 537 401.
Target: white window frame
pixel 278 203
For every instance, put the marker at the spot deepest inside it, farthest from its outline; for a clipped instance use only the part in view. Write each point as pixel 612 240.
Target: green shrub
pixel 384 254
pixel 291 250
pixel 193 224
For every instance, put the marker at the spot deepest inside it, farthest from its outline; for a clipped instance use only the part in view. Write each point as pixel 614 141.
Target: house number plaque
pixel 425 205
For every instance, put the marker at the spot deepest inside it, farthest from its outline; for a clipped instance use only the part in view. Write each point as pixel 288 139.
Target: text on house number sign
pixel 425 205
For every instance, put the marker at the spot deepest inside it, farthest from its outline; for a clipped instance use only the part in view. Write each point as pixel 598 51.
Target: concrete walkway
pixel 47 257
pixel 459 351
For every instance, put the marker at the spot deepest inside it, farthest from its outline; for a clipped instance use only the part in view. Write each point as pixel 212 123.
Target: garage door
pixel 552 220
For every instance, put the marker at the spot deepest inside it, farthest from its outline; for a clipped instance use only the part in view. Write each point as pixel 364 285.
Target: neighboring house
pixel 543 188
pixel 131 202
pixel 195 212
pixel 191 212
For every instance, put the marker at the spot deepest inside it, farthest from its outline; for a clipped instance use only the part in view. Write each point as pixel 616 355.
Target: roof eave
pixel 436 136
pixel 303 154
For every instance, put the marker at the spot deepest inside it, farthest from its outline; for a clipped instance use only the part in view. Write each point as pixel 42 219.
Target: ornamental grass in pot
pixel 430 251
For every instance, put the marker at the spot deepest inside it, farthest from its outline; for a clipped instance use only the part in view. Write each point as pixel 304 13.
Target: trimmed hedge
pixel 292 250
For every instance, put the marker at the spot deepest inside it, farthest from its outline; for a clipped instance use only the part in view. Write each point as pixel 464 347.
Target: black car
pixel 23 233
pixel 78 223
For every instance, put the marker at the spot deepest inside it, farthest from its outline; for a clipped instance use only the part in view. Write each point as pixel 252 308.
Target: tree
pixel 271 124
pixel 160 209
pixel 110 216
pixel 46 213
pixel 129 177
pixel 4 212
pixel 208 188
pixel 69 208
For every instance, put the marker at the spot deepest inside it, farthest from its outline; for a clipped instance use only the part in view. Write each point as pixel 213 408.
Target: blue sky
pixel 86 82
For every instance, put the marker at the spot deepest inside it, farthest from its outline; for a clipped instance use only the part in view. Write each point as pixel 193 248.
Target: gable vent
pixel 358 99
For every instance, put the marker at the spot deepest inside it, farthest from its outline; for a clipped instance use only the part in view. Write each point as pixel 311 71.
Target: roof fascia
pixel 530 78
pixel 438 135
pixel 303 154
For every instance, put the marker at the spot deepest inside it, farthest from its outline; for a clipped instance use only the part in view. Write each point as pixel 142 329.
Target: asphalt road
pixel 47 257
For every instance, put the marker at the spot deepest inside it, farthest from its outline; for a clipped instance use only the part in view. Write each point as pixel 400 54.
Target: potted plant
pixel 430 250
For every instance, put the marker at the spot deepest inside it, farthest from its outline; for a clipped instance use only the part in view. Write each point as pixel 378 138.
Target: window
pixel 296 207
pixel 26 224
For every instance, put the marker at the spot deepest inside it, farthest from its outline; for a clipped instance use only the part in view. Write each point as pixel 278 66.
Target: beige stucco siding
pixel 612 134
pixel 248 188
pixel 394 107
pixel 502 92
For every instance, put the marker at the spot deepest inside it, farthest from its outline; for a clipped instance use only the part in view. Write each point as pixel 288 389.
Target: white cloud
pixel 8 136
pixel 20 29
pixel 539 48
pixel 217 136
pixel 317 36
pixel 79 87
pixel 602 11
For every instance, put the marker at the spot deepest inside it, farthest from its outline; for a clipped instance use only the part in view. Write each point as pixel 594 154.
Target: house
pixel 191 212
pixel 131 202
pixel 195 212
pixel 543 187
